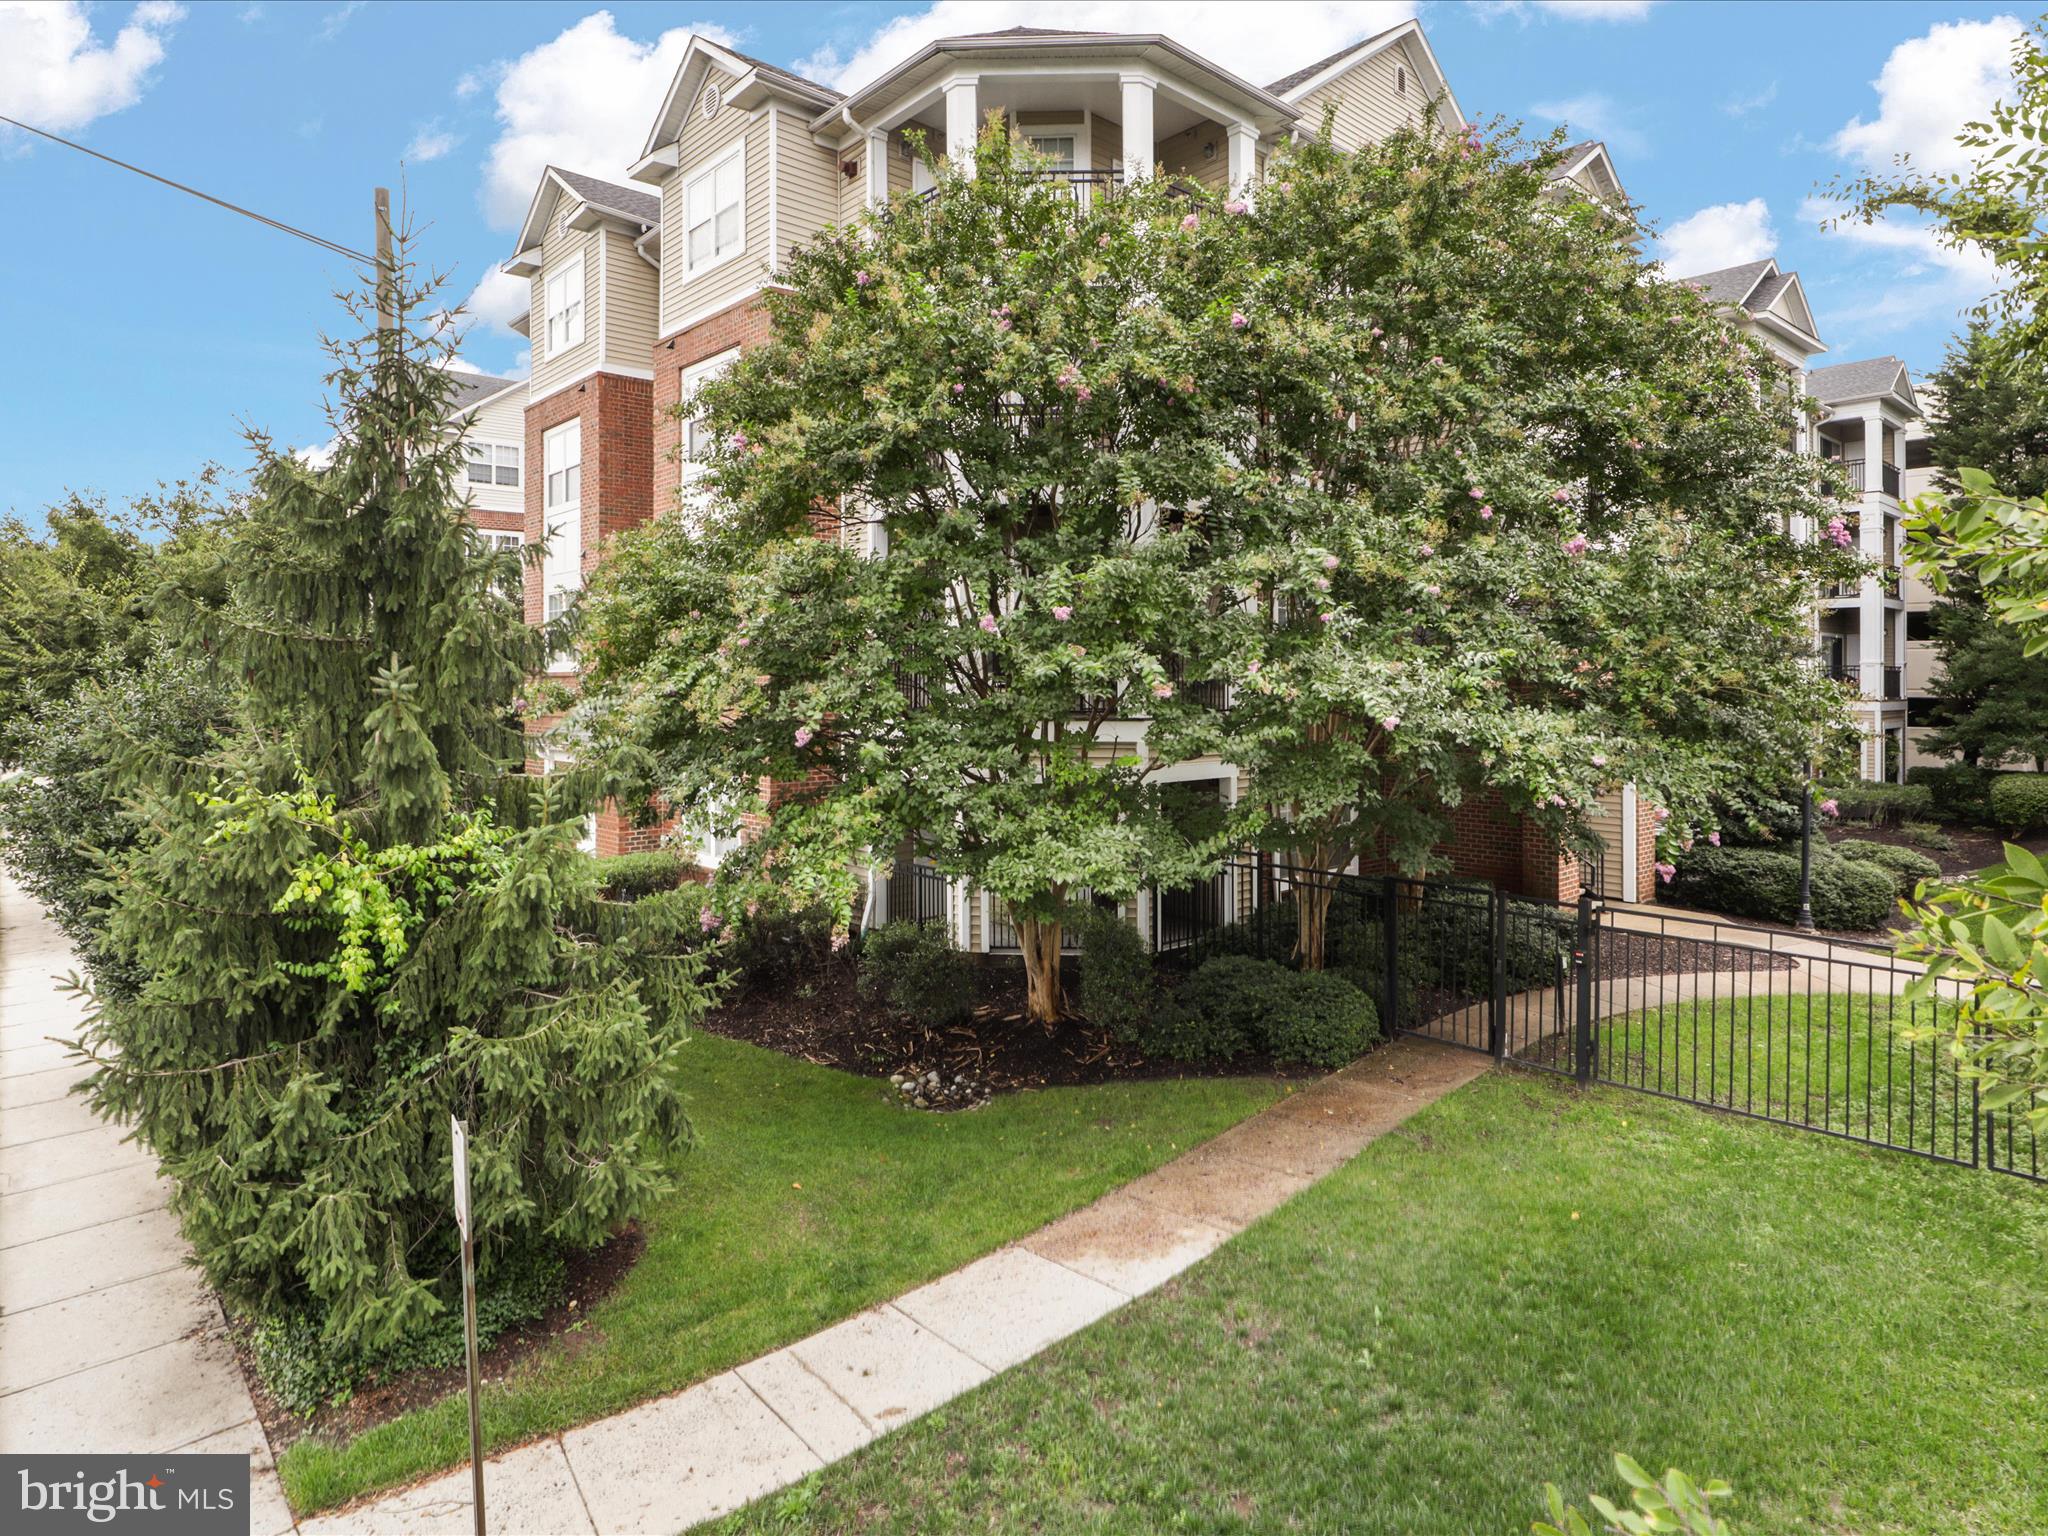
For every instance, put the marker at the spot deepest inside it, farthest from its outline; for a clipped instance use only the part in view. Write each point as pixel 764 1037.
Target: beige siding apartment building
pixel 649 281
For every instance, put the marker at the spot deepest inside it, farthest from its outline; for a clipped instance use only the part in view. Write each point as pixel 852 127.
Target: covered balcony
pixel 1099 111
pixel 1846 442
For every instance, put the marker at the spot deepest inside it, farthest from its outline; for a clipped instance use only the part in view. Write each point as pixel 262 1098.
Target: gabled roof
pixel 701 55
pixel 475 389
pixel 1769 295
pixel 606 198
pixel 1588 166
pixel 1408 35
pixel 1870 378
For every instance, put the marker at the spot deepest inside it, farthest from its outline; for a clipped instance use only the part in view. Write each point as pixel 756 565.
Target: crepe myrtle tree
pixel 351 915
pixel 1506 510
pixel 1014 390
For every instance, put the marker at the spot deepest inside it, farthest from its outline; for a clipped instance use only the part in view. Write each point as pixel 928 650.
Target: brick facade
pixel 1488 842
pixel 744 325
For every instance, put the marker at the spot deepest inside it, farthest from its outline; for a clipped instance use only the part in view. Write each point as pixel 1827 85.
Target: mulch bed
pixel 1643 954
pixel 591 1275
pixel 1975 847
pixel 997 1050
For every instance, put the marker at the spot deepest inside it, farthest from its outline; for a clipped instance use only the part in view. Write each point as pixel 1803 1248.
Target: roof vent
pixel 713 100
pixel 1400 81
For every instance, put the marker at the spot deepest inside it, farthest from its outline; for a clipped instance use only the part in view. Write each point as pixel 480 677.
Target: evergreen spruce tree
pixel 369 921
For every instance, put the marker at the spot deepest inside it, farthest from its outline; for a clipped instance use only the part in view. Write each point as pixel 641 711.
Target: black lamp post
pixel 1805 923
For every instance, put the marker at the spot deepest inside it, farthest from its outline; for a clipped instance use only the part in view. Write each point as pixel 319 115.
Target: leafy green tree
pixel 367 919
pixel 1985 938
pixel 1519 516
pixel 1015 392
pixel 78 597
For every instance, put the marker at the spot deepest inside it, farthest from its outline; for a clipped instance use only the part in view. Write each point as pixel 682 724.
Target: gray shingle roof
pixel 1309 71
pixel 782 74
pixel 1570 156
pixel 1730 285
pixel 634 204
pixel 473 387
pixel 1854 381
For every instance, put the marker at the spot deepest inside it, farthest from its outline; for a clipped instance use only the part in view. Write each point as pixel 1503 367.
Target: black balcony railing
pixel 1891 681
pixel 1887 478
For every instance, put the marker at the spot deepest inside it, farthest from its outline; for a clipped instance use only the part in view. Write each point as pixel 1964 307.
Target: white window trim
pixel 694 378
pixel 582 287
pixel 492 448
pixel 710 167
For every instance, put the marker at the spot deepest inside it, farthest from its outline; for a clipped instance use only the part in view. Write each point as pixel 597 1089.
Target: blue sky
pixel 139 329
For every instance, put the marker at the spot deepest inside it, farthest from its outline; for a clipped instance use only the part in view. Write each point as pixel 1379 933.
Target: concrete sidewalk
pixel 668 1464
pixel 109 1340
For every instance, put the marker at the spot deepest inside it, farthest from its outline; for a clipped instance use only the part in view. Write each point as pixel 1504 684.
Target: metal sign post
pixel 476 1433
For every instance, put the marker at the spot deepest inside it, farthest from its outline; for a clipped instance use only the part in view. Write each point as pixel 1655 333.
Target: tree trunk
pixel 1311 924
pixel 1044 1002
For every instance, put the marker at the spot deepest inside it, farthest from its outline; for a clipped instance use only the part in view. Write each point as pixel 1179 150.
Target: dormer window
pixel 564 296
pixel 715 211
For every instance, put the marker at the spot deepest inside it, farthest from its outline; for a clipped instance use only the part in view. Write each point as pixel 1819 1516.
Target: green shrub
pixel 1218 1012
pixel 304 1369
pixel 774 948
pixel 1958 791
pixel 633 875
pixel 1906 867
pixel 1117 987
pixel 1925 834
pixel 1316 1019
pixel 913 969
pixel 1880 804
pixel 1763 884
pixel 2019 802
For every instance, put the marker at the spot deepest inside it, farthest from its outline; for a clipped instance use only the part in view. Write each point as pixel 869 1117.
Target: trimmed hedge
pixel 1906 867
pixel 630 876
pixel 1880 804
pixel 1762 883
pixel 1959 792
pixel 913 969
pixel 1234 1003
pixel 1117 986
pixel 2019 802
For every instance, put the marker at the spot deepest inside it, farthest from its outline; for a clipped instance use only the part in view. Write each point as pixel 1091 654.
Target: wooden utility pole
pixel 387 278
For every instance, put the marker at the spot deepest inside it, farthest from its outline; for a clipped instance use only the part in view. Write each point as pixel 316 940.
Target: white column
pixel 1244 159
pixel 1870 650
pixel 963 121
pixel 1139 149
pixel 878 169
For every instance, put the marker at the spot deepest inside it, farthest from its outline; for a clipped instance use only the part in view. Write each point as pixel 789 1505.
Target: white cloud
pixel 249 15
pixel 1930 86
pixel 498 300
pixel 56 74
pixel 583 100
pixel 430 143
pixel 1594 116
pixel 1898 272
pixel 332 23
pixel 1723 235
pixel 1756 101
pixel 468 85
pixel 1259 43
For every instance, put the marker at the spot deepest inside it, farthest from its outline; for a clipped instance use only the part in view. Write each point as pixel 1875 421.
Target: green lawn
pixel 811 1195
pixel 1516 1284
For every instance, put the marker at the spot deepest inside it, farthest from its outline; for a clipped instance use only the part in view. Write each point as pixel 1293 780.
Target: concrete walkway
pixel 670 1463
pixel 109 1340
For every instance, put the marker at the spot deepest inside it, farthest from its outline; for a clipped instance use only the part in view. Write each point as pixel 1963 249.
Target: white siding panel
pixel 556 247
pixel 632 294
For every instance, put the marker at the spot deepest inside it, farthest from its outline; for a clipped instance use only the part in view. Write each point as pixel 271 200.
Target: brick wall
pixel 744 325
pixel 1488 842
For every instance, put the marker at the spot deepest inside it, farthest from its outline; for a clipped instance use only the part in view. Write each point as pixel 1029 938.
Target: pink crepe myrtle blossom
pixel 862 278
pixel 1434 590
pixel 1714 838
pixel 1662 815
pixel 1238 320
pixel 1437 361
pixel 1391 722
pixel 1162 690
pixel 1560 494
pixel 743 640
pixel 1190 224
pixel 1486 514
pixel 803 735
pixel 709 920
pixel 763 680
pixel 1251 668
pixel 1666 871
pixel 1583 666
pixel 1236 206
pixel 1576 544
pixel 1838 531
pixel 1331 562
pixel 1063 613
pixel 1325 618
pixel 1476 494
pixel 1425 550
pixel 1599 761
pixel 1557 802
pixel 959 389
pixel 988 624
pixel 1102 241
pixel 1830 809
pixel 1322 583
pixel 739 442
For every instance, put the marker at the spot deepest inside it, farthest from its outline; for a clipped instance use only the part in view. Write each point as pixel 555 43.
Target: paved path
pixel 109 1340
pixel 673 1462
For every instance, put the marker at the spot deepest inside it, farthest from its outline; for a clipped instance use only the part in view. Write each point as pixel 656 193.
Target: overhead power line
pixel 219 202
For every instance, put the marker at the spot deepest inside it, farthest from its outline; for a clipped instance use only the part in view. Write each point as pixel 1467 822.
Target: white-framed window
pixel 492 463
pixel 554 759
pixel 696 443
pixel 564 300
pixel 1057 150
pixel 562 449
pixel 497 538
pixel 715 211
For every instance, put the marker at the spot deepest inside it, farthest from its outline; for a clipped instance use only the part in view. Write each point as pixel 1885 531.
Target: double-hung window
pixel 492 463
pixel 564 299
pixel 696 443
pixel 715 210
pixel 563 449
pixel 562 565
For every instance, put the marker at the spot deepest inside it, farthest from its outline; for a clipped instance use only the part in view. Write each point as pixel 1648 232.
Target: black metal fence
pixel 916 893
pixel 1794 1029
